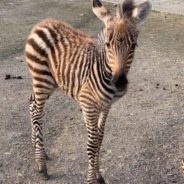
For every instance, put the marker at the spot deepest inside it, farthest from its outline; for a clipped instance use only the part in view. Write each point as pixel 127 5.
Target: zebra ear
pixel 137 12
pixel 101 12
pixel 141 11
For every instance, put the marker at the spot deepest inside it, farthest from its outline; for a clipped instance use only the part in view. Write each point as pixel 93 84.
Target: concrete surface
pixel 168 6
pixel 144 132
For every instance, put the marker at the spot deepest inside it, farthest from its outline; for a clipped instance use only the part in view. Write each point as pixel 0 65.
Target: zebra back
pixel 58 54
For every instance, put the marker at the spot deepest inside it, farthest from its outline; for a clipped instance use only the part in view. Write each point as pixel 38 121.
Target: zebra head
pixel 121 33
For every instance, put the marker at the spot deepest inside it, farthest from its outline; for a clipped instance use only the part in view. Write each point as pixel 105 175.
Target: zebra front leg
pixel 101 127
pixel 91 116
pixel 182 166
pixel 36 110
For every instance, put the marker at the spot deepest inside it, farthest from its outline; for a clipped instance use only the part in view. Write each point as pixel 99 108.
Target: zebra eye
pixel 107 44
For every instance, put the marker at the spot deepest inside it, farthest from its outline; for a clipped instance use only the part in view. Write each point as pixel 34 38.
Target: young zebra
pixel 93 71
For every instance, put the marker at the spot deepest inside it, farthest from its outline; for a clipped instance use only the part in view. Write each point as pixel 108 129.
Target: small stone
pixel 7 76
pixel 176 85
pixel 19 77
pixel 20 174
pixel 164 88
pixel 140 89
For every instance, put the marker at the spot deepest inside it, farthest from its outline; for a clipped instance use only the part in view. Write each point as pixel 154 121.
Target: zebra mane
pixel 101 38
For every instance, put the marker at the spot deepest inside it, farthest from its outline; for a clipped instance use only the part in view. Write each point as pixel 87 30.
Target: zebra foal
pixel 91 70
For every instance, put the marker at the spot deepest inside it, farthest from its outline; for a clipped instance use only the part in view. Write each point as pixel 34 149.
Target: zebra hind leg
pixel 36 110
pixel 32 108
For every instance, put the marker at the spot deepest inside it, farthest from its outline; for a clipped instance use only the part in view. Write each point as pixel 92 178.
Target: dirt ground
pixel 171 6
pixel 144 138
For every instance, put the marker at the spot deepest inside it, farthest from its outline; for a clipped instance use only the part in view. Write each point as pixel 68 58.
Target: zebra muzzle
pixel 120 81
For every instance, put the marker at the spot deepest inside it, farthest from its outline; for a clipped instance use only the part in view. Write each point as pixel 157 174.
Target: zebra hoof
pixel 100 180
pixel 44 174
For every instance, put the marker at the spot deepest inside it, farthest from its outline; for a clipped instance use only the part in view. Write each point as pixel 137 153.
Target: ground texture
pixel 144 132
pixel 168 6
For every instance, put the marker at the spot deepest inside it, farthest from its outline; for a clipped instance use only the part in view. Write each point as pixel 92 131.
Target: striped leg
pixel 91 116
pixel 182 166
pixel 36 106
pixel 101 127
pixel 32 110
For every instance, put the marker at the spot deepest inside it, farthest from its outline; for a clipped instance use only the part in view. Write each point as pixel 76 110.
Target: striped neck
pixel 103 61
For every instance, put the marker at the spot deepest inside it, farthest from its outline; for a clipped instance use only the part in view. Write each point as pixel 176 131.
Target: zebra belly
pixel 68 80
